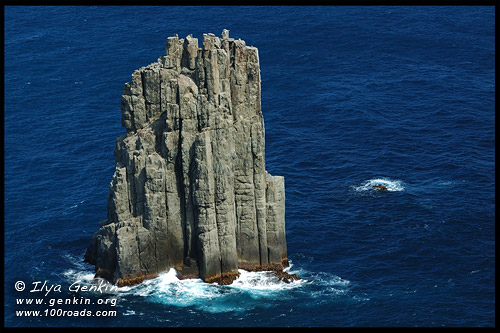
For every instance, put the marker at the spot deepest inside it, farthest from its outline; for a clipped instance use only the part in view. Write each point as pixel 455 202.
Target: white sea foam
pixel 264 283
pixel 80 270
pixel 86 282
pixel 73 275
pixel 249 290
pixel 390 184
pixel 82 275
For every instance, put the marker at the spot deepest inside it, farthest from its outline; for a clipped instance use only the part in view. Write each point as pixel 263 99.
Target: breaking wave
pixel 389 184
pixel 249 291
pixel 246 292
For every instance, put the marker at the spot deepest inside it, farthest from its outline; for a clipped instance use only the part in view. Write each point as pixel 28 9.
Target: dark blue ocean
pixel 351 97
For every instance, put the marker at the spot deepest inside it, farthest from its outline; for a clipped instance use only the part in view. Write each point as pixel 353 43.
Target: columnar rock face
pixel 190 190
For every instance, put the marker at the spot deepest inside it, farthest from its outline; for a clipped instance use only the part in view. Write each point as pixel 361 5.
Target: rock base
pixel 122 282
pixel 222 279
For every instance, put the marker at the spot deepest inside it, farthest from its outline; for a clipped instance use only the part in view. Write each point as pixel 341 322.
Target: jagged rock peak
pixel 190 190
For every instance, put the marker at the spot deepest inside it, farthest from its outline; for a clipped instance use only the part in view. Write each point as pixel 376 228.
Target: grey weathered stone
pixel 190 189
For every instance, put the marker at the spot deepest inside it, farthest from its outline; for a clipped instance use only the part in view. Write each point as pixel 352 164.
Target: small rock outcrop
pixel 190 190
pixel 380 187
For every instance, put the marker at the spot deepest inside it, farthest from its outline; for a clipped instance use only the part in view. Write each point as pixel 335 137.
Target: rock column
pixel 190 189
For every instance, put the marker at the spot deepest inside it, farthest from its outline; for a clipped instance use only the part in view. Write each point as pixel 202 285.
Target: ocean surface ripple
pixel 352 97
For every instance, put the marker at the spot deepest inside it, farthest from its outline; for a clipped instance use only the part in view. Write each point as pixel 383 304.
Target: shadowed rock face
pixel 190 190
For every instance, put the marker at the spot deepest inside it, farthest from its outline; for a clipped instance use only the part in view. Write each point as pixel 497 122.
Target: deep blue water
pixel 351 96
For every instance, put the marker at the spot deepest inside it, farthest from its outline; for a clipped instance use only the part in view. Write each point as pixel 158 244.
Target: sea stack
pixel 190 190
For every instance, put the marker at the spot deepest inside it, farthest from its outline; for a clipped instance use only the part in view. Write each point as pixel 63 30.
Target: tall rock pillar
pixel 190 189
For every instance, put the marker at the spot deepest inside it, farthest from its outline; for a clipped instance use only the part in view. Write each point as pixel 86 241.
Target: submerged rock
pixel 190 190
